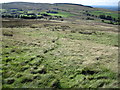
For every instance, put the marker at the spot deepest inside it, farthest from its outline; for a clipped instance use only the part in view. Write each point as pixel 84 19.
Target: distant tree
pixel 111 22
pixel 102 16
pixel 3 16
pixel 58 16
pixel 89 18
pixel 108 17
pixel 44 14
pixel 88 14
pixel 114 19
pixel 62 19
pixel 52 12
pixel 103 21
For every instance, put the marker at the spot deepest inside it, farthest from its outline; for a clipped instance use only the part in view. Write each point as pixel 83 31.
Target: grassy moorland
pixel 68 53
pixel 59 55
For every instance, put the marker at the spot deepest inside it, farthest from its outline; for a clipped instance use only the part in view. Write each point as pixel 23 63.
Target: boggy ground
pixel 79 54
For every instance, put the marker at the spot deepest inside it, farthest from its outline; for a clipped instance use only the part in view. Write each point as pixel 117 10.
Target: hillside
pixel 58 46
pixel 63 10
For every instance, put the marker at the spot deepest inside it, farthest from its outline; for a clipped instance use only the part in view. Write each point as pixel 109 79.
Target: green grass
pixel 21 12
pixel 30 12
pixel 33 60
pixel 63 14
pixel 97 13
pixel 25 70
pixel 101 38
pixel 3 10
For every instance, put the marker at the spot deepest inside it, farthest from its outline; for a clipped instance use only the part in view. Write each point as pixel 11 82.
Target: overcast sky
pixel 84 2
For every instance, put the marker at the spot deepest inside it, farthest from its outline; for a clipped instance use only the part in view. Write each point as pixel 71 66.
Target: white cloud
pixel 84 2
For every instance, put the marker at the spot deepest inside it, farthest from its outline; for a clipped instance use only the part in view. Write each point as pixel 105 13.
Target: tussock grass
pixel 46 58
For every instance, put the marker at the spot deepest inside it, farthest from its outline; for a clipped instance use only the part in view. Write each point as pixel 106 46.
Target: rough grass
pixel 51 56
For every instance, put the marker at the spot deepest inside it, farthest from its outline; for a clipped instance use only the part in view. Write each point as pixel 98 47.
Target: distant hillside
pixel 72 4
pixel 58 10
pixel 27 5
pixel 114 8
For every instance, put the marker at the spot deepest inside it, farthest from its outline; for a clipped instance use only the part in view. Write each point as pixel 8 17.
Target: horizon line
pixel 55 3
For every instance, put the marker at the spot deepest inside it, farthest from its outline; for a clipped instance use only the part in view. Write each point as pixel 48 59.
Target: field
pixel 60 45
pixel 59 54
pixel 114 15
pixel 58 11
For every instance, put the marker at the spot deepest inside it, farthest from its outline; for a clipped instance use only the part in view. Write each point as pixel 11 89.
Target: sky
pixel 84 2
